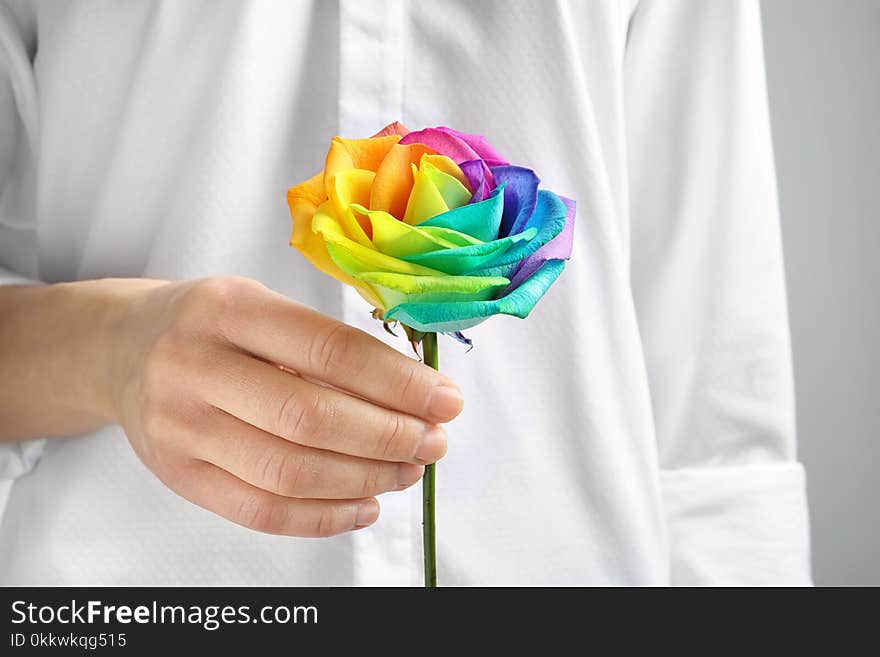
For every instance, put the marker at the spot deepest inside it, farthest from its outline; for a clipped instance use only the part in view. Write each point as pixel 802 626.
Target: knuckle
pixel 372 480
pixel 331 349
pixel 164 354
pixel 153 420
pixel 301 416
pixel 328 523
pixel 272 470
pixel 394 441
pixel 286 474
pixel 410 380
pixel 257 512
pixel 218 296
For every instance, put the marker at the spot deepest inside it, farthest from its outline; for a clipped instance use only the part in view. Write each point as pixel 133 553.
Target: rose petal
pixel 396 238
pixel 479 144
pixel 450 145
pixel 446 165
pixel 548 220
pixel 356 154
pixel 470 258
pixel 475 172
pixel 559 248
pixel 395 289
pixel 396 128
pixel 353 258
pixel 480 220
pixel 459 316
pixel 348 187
pixel 434 192
pixel 520 196
pixel 313 246
pixel 394 180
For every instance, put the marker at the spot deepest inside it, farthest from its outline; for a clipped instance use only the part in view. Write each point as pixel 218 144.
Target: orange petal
pixel 394 180
pixel 347 154
pixel 396 128
pixel 311 190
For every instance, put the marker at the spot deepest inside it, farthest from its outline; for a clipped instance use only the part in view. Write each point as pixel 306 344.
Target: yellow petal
pixel 353 258
pixel 425 200
pixel 313 247
pixel 397 238
pixel 347 187
pixel 447 166
pixel 453 192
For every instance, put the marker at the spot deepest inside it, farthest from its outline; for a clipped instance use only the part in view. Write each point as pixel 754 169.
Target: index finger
pixel 290 334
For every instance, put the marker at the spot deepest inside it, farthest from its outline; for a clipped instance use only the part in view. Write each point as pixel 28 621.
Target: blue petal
pixel 520 196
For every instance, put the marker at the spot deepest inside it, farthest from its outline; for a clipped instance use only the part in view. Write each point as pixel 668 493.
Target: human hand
pixel 268 413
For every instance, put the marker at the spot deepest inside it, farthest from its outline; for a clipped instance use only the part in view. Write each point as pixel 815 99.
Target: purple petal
pixel 475 172
pixel 520 197
pixel 461 337
pixel 559 248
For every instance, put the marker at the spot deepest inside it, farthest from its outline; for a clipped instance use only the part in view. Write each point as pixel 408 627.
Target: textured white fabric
pixel 637 429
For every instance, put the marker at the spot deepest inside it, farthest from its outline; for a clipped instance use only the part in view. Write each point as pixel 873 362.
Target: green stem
pixel 429 530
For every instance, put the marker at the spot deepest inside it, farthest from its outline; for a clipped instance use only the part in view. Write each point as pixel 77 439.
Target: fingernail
pixel 433 445
pixel 408 474
pixel 367 514
pixel 445 402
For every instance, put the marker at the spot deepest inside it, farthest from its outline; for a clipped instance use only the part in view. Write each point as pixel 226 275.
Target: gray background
pixel 823 70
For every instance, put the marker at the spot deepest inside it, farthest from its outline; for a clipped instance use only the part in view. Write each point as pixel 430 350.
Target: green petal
pixel 457 238
pixel 396 238
pixel 354 258
pixel 425 200
pixel 466 259
pixel 453 192
pixel 395 289
pixel 448 317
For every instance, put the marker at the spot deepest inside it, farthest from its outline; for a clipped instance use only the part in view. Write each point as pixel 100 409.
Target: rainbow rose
pixel 434 228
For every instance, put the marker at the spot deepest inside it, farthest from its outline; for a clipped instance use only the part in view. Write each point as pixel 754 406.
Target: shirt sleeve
pixel 708 283
pixel 18 147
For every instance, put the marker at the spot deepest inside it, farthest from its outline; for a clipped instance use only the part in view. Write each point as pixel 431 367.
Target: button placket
pixel 370 96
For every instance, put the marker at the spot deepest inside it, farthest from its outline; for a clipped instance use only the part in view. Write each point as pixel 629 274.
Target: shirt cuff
pixel 18 458
pixel 738 526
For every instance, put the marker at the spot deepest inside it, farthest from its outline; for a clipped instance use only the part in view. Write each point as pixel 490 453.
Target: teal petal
pixel 548 220
pixel 480 220
pixel 458 316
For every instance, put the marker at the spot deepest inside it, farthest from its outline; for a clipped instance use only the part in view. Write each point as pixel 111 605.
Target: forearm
pixel 59 346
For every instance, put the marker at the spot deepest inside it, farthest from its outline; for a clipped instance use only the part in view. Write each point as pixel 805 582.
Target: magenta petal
pixel 480 145
pixel 450 145
pixel 559 248
pixel 444 143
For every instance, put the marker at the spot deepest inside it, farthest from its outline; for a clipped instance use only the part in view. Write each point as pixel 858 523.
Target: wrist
pixel 107 339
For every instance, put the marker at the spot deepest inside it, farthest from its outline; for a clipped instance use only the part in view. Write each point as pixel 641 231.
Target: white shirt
pixel 638 428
